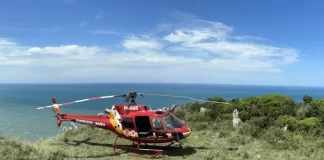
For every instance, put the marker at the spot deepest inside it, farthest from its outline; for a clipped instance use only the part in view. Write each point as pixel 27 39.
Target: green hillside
pixel 261 136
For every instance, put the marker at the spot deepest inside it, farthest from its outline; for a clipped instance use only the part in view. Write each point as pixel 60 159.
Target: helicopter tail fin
pixel 57 111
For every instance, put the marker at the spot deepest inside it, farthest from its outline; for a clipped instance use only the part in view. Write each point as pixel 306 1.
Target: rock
pixel 236 118
pixel 203 110
pixel 285 128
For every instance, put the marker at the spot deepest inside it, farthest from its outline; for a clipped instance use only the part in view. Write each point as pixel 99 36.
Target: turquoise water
pixel 20 118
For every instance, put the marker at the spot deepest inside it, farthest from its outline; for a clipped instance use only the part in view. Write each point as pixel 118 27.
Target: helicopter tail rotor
pixel 57 111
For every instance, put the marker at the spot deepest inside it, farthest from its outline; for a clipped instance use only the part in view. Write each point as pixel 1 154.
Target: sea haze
pixel 20 118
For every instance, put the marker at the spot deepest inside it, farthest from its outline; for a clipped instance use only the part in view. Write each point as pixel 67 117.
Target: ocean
pixel 19 117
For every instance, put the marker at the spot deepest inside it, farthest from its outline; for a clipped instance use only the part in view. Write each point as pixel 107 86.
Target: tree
pixel 217 99
pixel 307 99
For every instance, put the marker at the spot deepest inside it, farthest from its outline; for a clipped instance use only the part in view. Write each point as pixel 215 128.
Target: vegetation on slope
pixel 261 136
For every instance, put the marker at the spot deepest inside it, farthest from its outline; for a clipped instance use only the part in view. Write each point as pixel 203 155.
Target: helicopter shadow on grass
pixel 172 151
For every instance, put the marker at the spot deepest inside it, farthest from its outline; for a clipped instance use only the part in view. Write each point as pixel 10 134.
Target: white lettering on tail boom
pixel 100 123
pixel 90 122
pixel 131 108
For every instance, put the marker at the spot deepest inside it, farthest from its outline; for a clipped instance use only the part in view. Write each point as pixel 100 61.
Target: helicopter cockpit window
pixel 171 122
pixel 157 125
pixel 128 123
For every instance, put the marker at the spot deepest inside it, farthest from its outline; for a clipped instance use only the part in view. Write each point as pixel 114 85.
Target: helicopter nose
pixel 186 134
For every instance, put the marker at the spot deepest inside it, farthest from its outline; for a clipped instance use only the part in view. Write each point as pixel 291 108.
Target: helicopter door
pixel 158 128
pixel 128 123
pixel 143 126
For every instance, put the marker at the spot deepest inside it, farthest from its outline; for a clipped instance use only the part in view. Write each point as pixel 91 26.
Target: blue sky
pixel 237 42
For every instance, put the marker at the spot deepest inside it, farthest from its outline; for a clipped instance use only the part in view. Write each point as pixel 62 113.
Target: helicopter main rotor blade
pixel 164 95
pixel 82 100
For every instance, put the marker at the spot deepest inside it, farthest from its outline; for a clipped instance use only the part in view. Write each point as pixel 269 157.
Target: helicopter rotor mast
pixel 131 97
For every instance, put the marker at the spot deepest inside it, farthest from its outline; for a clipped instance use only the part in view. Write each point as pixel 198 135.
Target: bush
pixel 270 106
pixel 307 99
pixel 275 105
pixel 217 99
pixel 308 123
pixel 238 140
pixel 292 122
pixel 180 114
pixel 317 131
pixel 195 117
pixel 228 109
pixel 317 108
pixel 199 126
pixel 281 139
pixel 244 115
pixel 302 111
pixel 227 116
pixel 250 130
pixel 261 122
pixel 193 107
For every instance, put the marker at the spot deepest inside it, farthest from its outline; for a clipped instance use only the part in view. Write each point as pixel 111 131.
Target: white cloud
pixel 193 36
pixel 105 32
pixel 68 51
pixel 99 14
pixel 136 43
pixel 248 51
pixel 242 38
pixel 83 23
pixel 203 51
pixel 70 1
pixel 215 39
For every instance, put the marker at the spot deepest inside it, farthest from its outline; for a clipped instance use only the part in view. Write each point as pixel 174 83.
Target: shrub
pixel 223 134
pixel 193 107
pixel 292 122
pixel 273 105
pixel 244 115
pixel 307 99
pixel 217 99
pixel 180 114
pixel 270 105
pixel 317 131
pixel 308 123
pixel 194 117
pixel 227 116
pixel 261 122
pixel 317 108
pixel 199 126
pixel 280 139
pixel 302 111
pixel 250 130
pixel 238 140
pixel 228 109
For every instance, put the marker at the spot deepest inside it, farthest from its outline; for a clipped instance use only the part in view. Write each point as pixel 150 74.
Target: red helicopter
pixel 134 122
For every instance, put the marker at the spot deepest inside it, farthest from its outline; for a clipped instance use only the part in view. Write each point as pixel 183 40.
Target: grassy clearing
pixel 261 136
pixel 217 141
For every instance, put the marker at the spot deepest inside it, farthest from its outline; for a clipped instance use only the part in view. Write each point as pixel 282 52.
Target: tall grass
pixel 217 140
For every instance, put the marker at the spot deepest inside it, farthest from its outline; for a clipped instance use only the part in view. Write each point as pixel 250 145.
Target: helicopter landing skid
pixel 156 151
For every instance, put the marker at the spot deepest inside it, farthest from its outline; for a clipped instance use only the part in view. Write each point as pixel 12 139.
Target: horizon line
pixel 178 83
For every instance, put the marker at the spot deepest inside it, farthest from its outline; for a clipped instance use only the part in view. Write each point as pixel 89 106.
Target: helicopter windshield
pixel 171 122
